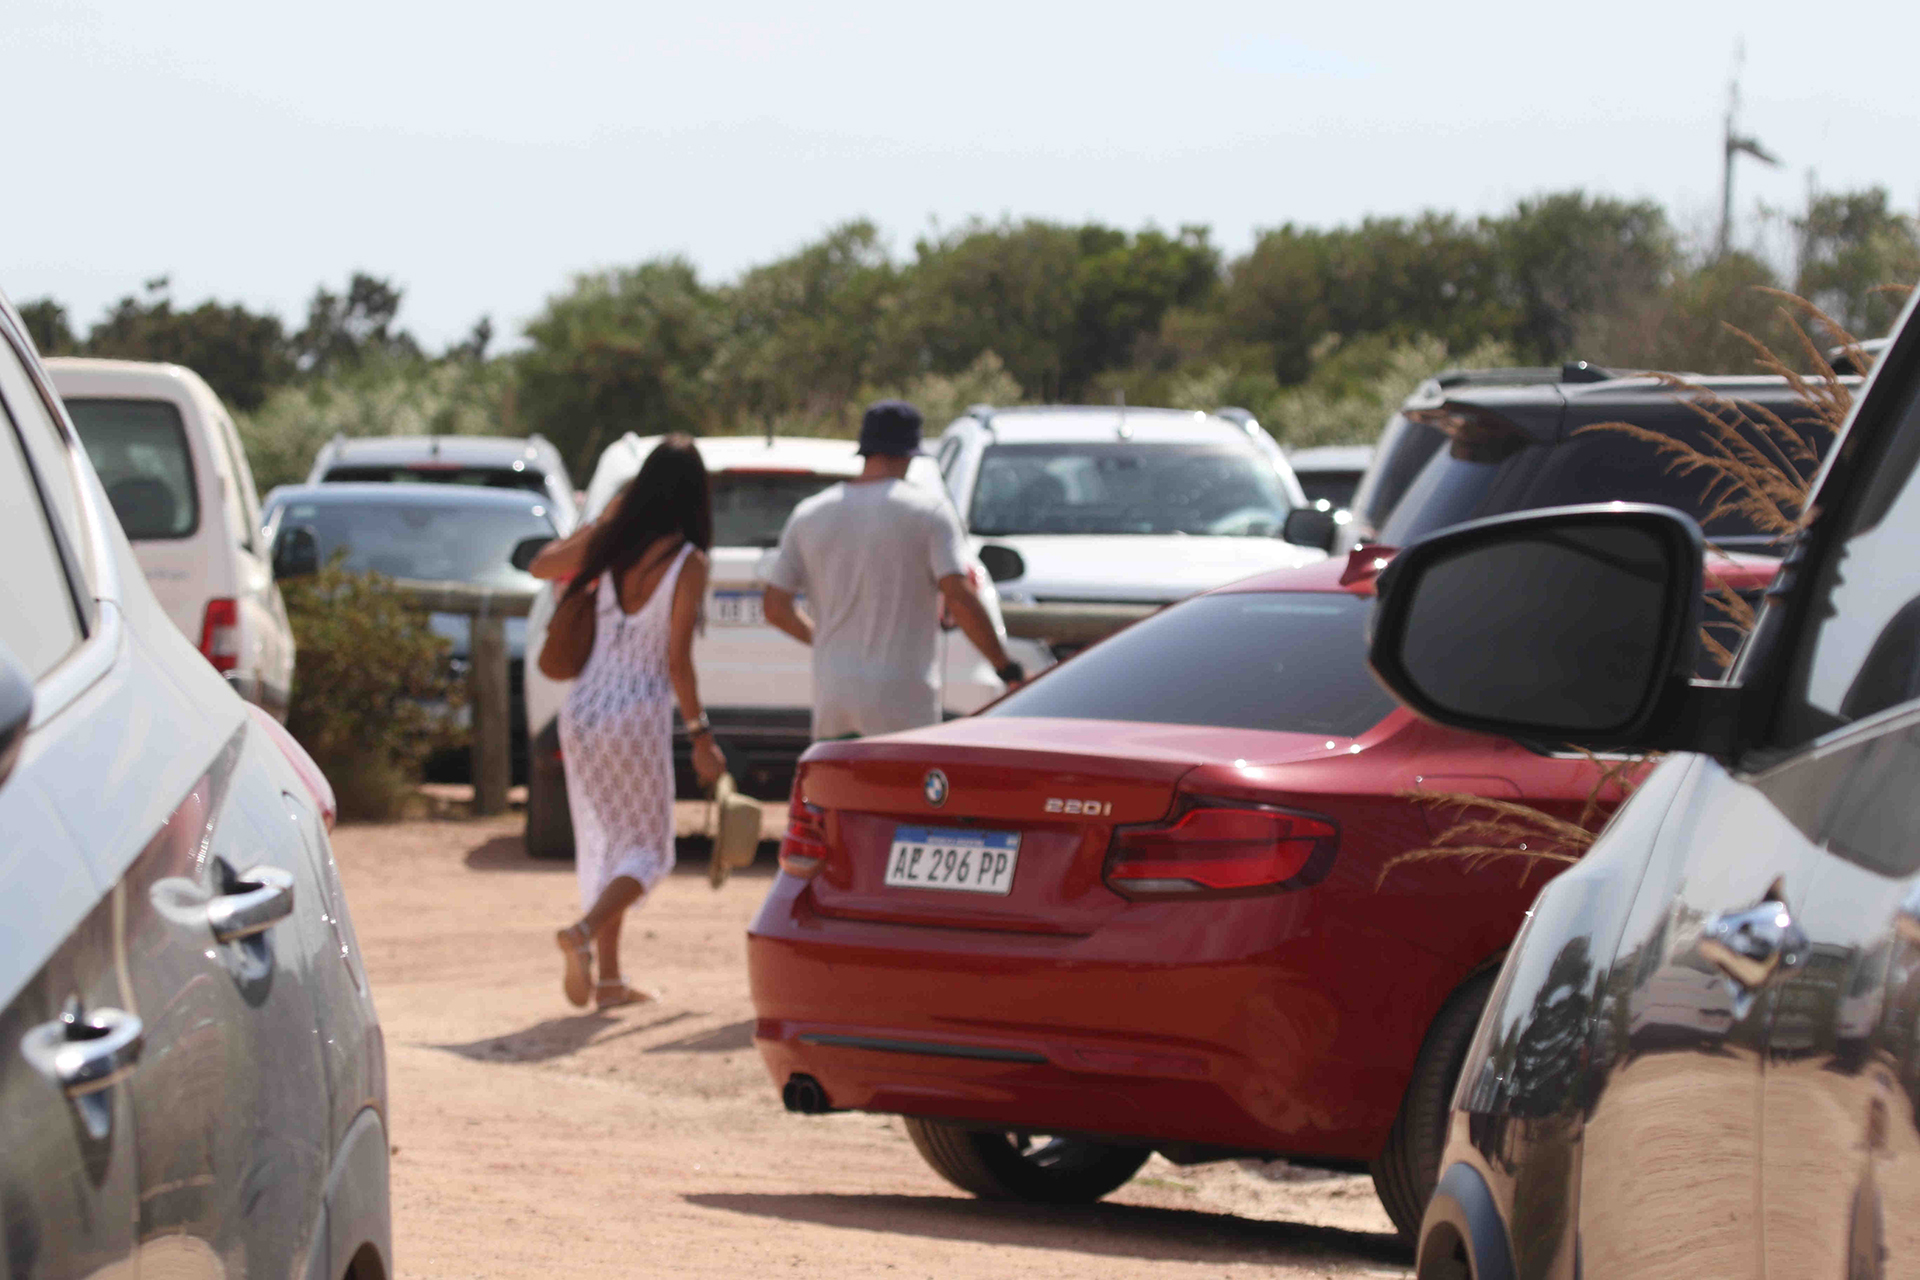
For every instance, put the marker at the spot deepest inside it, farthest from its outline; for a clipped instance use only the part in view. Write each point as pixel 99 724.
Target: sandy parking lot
pixel 535 1140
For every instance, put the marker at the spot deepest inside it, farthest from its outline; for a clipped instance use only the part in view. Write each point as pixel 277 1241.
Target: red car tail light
pixel 220 634
pixel 804 847
pixel 1221 849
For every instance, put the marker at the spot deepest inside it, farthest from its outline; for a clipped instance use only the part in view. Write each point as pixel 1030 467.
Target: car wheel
pixel 1404 1174
pixel 996 1165
pixel 549 819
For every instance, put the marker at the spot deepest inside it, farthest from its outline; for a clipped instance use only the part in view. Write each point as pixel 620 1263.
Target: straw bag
pixel 569 640
pixel 734 824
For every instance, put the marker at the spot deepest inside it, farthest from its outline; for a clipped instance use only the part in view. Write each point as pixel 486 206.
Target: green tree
pixel 622 350
pixel 241 354
pixel 1851 247
pixel 48 326
pixel 342 330
pixel 1565 258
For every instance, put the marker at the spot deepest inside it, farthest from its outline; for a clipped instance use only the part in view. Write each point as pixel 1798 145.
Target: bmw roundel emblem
pixel 935 787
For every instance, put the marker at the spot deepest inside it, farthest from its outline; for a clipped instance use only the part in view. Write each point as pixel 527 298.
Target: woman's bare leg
pixel 606 948
pixel 605 914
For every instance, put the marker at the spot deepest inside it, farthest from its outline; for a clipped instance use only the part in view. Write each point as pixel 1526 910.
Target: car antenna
pixel 1120 402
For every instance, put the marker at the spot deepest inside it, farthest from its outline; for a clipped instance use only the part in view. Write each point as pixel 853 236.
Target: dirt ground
pixel 531 1139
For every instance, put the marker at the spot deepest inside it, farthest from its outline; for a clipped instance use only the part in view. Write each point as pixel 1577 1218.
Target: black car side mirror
pixel 1310 527
pixel 1576 625
pixel 297 553
pixel 525 550
pixel 1003 564
pixel 16 709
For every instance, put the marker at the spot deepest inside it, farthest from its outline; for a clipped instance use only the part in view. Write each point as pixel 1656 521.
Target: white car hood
pixel 1143 568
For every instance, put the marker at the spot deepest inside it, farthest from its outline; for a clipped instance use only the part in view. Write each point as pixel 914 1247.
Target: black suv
pixel 1702 1055
pixel 1475 443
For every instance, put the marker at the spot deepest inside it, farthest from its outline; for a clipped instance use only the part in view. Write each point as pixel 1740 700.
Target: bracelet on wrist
pixel 697 727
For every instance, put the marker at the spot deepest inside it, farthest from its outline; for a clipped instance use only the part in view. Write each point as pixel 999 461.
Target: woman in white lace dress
pixel 646 560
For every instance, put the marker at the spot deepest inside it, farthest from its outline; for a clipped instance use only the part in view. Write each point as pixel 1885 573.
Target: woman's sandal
pixel 576 944
pixel 611 995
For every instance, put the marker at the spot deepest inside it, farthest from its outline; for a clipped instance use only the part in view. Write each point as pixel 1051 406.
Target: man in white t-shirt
pixel 874 556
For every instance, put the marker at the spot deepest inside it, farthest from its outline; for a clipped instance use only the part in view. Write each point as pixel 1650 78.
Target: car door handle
pixel 1751 946
pixel 86 1053
pixel 255 900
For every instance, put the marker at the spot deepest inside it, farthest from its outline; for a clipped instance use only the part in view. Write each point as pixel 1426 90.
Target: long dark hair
pixel 670 498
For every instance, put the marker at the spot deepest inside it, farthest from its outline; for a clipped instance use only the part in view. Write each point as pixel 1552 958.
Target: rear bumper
pixel 1225 1043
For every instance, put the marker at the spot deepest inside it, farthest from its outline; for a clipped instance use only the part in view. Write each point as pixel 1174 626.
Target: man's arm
pixel 783 613
pixel 975 623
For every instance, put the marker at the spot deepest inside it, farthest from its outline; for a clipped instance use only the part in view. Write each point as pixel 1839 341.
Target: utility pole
pixel 1734 143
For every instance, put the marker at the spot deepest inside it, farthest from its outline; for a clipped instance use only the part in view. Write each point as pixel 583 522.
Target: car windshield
pixel 1293 662
pixel 433 542
pixel 1120 488
pixel 482 477
pixel 139 447
pixel 750 508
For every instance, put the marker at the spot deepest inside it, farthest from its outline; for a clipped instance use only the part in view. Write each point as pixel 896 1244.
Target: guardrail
pixel 487 692
pixel 1070 623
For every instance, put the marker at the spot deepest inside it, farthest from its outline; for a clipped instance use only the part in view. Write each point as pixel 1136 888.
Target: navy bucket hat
pixel 890 428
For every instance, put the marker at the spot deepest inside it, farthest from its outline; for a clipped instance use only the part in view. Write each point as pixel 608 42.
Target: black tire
pixel 1005 1166
pixel 549 819
pixel 1404 1174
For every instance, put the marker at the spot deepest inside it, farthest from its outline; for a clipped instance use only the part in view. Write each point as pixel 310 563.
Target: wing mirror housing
pixel 1576 626
pixel 297 554
pixel 1003 564
pixel 16 710
pixel 1312 526
pixel 525 550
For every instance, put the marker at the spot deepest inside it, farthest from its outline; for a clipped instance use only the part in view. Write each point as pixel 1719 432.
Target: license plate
pixel 737 609
pixel 947 858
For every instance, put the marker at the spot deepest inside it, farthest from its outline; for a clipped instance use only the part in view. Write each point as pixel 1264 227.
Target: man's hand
pixel 784 614
pixel 963 599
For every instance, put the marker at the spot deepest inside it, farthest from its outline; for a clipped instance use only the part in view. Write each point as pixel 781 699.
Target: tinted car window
pixel 1292 662
pixel 1405 447
pixel 1127 488
pixel 1335 488
pixel 139 448
pixel 1861 653
pixel 484 477
pixel 1447 491
pixel 434 543
pixel 38 623
pixel 751 508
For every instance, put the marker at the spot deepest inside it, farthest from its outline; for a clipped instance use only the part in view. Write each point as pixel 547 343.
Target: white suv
pixel 757 682
pixel 166 451
pixel 1079 505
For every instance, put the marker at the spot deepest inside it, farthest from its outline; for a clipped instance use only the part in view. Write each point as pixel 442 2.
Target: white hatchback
pixel 167 453
pixel 757 682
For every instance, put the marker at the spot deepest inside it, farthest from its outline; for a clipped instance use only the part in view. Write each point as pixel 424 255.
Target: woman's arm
pixel 562 557
pixel 688 595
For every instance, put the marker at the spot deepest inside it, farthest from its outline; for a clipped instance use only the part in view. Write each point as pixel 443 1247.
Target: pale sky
pixel 478 154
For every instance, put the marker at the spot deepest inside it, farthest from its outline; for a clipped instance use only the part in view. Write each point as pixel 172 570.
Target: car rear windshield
pixel 1405 448
pixel 1335 488
pixel 1207 490
pixel 481 477
pixel 139 447
pixel 431 542
pixel 750 508
pixel 1293 662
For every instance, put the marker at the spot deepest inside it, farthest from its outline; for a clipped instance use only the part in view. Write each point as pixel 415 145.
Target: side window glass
pixel 949 450
pixel 40 622
pixel 1861 650
pixel 46 445
pixel 246 499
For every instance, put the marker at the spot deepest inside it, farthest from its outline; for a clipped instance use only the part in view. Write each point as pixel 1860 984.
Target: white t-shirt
pixel 869 558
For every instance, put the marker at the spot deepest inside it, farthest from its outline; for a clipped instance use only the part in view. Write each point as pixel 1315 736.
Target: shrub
pixel 371 687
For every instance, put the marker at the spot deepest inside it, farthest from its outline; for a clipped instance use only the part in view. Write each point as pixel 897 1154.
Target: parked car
pixel 1149 902
pixel 1071 506
pixel 1702 1056
pixel 490 462
pixel 193 1079
pixel 165 448
pixel 757 682
pixel 1331 473
pixel 1484 442
pixel 427 533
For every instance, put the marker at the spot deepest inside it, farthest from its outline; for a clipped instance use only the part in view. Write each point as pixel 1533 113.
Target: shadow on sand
pixel 735 1035
pixel 556 1038
pixel 1110 1230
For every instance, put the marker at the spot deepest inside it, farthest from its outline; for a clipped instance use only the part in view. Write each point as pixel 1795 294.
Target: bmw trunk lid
pixel 1002 822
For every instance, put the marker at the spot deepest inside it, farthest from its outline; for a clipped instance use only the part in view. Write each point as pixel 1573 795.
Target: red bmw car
pixel 1139 905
